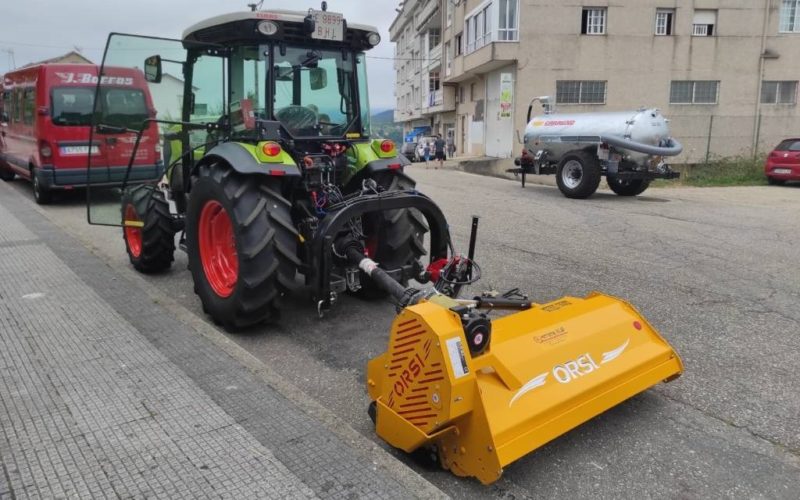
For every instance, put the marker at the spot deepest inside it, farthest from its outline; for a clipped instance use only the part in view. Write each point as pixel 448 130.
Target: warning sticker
pixel 457 359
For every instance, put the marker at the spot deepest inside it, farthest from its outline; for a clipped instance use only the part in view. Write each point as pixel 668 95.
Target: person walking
pixel 438 146
pixel 426 152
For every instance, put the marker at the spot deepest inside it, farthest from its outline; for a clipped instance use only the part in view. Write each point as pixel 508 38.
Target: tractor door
pixel 149 118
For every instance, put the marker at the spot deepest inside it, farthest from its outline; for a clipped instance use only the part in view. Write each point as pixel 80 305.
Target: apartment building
pixel 725 72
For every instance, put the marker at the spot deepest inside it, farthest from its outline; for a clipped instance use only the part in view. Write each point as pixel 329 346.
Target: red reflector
pixel 277 172
pixel 271 148
pixel 387 146
pixel 637 325
pixel 394 166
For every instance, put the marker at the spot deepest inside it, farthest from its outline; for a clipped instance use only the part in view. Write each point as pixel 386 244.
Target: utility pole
pixel 12 62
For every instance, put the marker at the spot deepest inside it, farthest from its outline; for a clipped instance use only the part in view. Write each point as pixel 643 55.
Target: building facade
pixel 725 72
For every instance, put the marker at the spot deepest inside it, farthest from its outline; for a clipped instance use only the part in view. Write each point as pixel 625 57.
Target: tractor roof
pixel 222 29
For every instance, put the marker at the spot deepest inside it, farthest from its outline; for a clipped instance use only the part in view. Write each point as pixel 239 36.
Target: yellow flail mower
pixel 484 392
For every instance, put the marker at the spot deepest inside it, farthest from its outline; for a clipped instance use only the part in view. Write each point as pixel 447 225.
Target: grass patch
pixel 733 171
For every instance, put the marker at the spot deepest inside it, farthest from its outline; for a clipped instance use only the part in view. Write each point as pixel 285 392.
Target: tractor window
pixel 363 94
pixel 248 70
pixel 314 93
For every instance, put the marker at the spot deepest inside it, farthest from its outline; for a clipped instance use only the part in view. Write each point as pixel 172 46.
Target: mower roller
pixel 483 393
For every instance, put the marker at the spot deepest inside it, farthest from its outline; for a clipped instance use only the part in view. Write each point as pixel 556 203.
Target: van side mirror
pixel 152 69
pixel 4 117
pixel 318 78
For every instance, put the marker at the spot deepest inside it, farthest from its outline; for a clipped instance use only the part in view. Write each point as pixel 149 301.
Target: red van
pixel 46 122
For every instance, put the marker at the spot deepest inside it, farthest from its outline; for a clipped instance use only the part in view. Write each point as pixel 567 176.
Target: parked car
pixel 408 149
pixel 421 146
pixel 46 121
pixel 783 163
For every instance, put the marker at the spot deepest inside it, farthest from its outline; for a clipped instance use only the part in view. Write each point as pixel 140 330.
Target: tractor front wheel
pixel 147 229
pixel 241 244
pixel 394 237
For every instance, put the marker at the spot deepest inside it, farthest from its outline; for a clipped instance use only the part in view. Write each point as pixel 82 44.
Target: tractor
pixel 268 159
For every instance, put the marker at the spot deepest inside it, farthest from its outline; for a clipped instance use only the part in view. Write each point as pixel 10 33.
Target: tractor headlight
pixel 267 28
pixel 373 39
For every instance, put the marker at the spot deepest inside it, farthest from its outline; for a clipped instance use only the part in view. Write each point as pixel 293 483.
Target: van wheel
pixel 41 194
pixel 631 187
pixel 151 248
pixel 578 175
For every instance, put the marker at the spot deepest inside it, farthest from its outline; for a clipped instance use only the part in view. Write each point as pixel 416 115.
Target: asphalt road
pixel 715 270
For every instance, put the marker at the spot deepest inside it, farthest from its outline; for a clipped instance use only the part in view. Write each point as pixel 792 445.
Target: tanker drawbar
pixel 543 371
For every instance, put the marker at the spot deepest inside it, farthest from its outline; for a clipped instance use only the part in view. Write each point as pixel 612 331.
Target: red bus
pixel 46 124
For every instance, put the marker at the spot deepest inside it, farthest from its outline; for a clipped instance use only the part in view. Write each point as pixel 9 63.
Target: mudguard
pixel 243 159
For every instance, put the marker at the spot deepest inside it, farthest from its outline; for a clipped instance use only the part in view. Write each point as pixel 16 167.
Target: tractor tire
pixel 632 187
pixel 578 175
pixel 242 245
pixel 151 248
pixel 41 194
pixel 395 238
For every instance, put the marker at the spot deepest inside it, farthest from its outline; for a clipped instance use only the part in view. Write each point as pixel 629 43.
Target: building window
pixel 448 58
pixel 693 92
pixel 507 29
pixel 664 21
pixel 703 23
pixel 472 91
pixel 434 36
pixel 449 10
pixel 433 81
pixel 459 45
pixel 593 21
pixel 779 92
pixel 790 16
pixel 461 93
pixel 479 29
pixel 580 92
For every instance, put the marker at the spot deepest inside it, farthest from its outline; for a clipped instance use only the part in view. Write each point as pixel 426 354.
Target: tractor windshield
pixel 315 91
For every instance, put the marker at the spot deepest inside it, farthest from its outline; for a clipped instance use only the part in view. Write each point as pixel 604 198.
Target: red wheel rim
pixel 218 249
pixel 133 235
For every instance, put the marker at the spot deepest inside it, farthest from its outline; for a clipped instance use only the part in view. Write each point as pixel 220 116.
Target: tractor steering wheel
pixel 297 117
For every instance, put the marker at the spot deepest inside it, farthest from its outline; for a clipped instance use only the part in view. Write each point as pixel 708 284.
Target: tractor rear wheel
pixel 578 175
pixel 395 238
pixel 631 187
pixel 151 247
pixel 241 244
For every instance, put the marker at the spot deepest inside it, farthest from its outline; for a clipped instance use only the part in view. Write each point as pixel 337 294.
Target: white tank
pixel 637 134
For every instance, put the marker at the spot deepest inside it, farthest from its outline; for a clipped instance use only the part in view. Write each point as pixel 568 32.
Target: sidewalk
pixel 104 393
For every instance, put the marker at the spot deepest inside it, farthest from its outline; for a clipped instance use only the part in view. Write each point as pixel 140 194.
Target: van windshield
pixel 72 106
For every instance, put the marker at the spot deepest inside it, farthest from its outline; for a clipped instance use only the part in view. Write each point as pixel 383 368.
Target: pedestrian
pixel 439 145
pixel 451 145
pixel 426 152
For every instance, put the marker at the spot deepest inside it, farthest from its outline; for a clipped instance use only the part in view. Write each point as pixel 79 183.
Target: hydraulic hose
pixel 673 147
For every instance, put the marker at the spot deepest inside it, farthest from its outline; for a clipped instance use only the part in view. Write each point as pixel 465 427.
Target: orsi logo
pixel 411 372
pixel 582 365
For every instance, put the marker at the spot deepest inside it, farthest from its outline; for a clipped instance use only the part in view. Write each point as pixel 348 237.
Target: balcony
pixel 434 59
pixel 489 57
pixel 428 16
pixel 440 101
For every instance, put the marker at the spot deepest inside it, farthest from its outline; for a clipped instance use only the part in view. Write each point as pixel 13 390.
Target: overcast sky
pixel 38 29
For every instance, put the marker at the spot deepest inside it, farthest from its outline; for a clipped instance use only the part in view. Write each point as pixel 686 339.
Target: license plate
pixel 328 26
pixel 782 171
pixel 77 150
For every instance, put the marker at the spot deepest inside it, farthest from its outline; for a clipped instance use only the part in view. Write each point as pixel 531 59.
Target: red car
pixel 783 163
pixel 45 119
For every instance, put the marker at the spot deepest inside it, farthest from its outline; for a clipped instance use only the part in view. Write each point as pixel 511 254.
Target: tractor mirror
pixel 152 69
pixel 318 78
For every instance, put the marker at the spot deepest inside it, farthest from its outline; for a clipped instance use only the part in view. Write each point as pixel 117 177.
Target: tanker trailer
pixel 628 147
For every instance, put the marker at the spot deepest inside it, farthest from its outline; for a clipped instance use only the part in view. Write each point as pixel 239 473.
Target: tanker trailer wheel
pixel 394 237
pixel 578 175
pixel 151 248
pixel 631 187
pixel 241 244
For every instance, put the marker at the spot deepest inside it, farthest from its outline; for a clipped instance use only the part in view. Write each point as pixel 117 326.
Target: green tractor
pixel 268 160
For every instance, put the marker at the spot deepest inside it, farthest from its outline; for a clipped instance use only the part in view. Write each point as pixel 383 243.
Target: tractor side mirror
pixel 318 78
pixel 152 69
